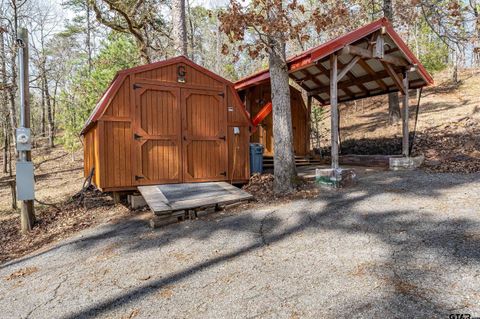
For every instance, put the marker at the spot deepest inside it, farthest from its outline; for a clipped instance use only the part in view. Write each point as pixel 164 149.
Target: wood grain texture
pixel 158 129
pixel 259 96
pixel 149 135
pixel 168 198
pixel 204 135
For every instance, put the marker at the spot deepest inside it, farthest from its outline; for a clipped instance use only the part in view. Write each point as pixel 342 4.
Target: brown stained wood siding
pixel 120 104
pixel 299 123
pixel 89 151
pixel 117 148
pixel 260 95
pixel 235 111
pixel 238 152
pixel 160 162
pixel 176 137
pixel 204 135
pixel 92 154
pixel 168 74
pixel 158 149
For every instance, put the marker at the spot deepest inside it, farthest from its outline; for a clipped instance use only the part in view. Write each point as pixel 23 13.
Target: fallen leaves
pixel 53 224
pixel 261 187
pixel 22 273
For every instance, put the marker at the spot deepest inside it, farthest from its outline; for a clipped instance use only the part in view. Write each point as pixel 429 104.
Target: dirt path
pixel 397 245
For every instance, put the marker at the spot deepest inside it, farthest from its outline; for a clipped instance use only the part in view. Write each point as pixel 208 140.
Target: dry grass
pixel 59 176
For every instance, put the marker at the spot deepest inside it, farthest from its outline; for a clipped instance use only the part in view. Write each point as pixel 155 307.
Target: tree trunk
pixel 218 49
pixel 5 147
pixel 51 126
pixel 393 108
pixel 284 159
pixel 192 32
pixel 88 40
pixel 179 27
pixel 42 105
pixel 388 9
pixel 8 99
pixel 455 65
pixel 393 102
pixel 4 102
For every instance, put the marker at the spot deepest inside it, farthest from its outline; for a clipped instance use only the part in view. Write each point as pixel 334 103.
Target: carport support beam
pixel 405 131
pixel 334 109
pixel 309 123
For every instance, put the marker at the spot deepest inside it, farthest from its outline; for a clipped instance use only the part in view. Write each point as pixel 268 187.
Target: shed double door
pixel 180 135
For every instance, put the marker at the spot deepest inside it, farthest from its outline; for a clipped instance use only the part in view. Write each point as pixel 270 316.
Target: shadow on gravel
pixel 412 237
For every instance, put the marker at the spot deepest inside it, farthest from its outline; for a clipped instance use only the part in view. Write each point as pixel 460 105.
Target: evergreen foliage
pixel 118 52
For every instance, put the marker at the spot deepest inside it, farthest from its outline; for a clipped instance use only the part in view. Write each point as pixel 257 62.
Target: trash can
pixel 256 158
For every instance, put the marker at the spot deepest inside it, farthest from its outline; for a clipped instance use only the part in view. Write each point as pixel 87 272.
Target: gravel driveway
pixel 397 245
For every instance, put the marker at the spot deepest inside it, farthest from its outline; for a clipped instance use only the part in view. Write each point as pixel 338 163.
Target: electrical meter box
pixel 25 181
pixel 24 142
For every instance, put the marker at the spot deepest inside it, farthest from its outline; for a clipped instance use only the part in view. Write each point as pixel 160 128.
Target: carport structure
pixel 372 60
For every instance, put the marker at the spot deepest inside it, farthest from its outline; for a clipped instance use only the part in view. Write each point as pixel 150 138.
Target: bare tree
pixel 179 27
pixel 140 18
pixel 265 27
pixel 393 102
pixel 42 27
pixel 4 100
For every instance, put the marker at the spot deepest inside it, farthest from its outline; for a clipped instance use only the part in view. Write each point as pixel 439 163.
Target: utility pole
pixel 24 175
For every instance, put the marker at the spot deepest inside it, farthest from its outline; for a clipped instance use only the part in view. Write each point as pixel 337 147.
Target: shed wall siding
pixel 238 147
pixel 110 144
pixel 169 74
pixel 89 151
pixel 258 97
pixel 117 150
pixel 120 104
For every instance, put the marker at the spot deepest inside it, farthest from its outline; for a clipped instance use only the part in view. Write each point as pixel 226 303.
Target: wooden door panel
pixel 158 135
pixel 159 112
pixel 160 161
pixel 205 160
pixel 204 126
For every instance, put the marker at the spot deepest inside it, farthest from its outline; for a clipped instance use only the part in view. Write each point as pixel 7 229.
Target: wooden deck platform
pixel 170 198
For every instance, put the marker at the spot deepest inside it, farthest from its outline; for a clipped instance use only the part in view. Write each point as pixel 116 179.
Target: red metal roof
pixel 117 81
pixel 311 56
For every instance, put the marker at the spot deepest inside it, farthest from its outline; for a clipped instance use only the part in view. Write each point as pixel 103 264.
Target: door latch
pixel 222 138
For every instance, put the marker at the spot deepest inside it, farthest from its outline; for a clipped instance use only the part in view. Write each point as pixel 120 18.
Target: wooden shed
pixel 257 100
pixel 167 122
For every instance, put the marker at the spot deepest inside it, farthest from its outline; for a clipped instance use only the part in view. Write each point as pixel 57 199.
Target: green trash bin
pixel 256 158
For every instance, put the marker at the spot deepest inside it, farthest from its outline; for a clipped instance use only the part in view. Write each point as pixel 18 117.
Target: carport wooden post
pixel 334 109
pixel 309 122
pixel 405 140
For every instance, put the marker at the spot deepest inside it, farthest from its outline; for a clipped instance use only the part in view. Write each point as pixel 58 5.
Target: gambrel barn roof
pixel 120 77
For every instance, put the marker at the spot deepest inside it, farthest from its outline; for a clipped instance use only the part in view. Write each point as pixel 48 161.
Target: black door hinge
pixel 222 94
pixel 223 173
pixel 136 86
pixel 137 137
pixel 222 138
pixel 138 177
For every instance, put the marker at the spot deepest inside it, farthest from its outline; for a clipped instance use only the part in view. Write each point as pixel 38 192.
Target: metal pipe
pixel 21 46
